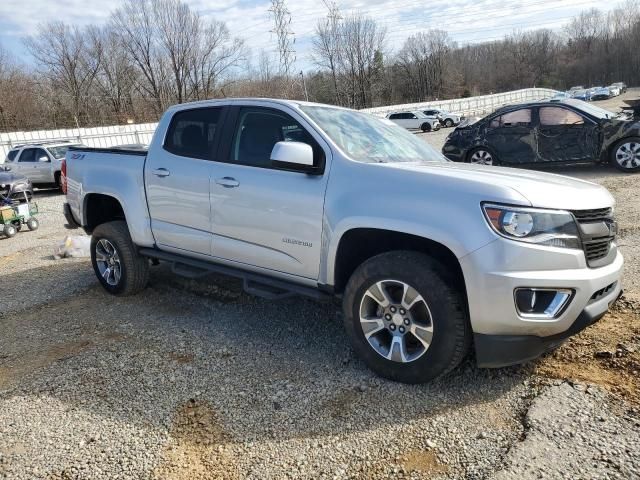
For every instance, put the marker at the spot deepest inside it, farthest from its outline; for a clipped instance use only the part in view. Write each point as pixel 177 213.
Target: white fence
pixel 472 106
pixel 93 137
pixel 142 133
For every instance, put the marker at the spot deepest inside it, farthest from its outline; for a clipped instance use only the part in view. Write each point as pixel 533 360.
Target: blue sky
pixel 467 21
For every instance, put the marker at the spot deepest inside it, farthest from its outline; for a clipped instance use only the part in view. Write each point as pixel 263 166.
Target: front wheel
pixel 10 230
pixel 404 318
pixel 625 154
pixel 448 123
pixel 116 262
pixel 425 127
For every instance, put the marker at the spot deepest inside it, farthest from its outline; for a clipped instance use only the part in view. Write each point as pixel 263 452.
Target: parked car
pixel 576 88
pixel 39 162
pixel 426 255
pixel 561 96
pixel 614 90
pixel 621 85
pixel 584 95
pixel 566 131
pixel 601 93
pixel 447 119
pixel 414 120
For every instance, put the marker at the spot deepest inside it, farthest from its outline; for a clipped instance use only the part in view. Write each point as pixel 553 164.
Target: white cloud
pixel 465 20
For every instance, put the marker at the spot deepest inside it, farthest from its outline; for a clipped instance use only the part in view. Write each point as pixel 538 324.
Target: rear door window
pixel 192 133
pixel 517 118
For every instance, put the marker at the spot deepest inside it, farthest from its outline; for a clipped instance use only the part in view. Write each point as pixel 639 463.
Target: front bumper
pixel 492 274
pixel 494 351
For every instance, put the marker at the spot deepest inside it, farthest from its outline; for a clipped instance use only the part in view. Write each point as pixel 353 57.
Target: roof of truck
pixel 231 101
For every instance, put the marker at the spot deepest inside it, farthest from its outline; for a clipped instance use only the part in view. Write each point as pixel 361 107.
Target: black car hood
pixel 8 178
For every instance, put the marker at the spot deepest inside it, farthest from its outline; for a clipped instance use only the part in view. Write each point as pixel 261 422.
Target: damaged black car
pixel 562 132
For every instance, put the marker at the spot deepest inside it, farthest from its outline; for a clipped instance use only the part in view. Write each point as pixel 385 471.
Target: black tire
pixel 451 329
pixel 620 164
pixel 9 231
pixel 448 123
pixel 57 179
pixel 425 127
pixel 17 225
pixel 33 224
pixel 134 267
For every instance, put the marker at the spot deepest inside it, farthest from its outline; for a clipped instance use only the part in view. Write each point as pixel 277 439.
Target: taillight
pixel 63 176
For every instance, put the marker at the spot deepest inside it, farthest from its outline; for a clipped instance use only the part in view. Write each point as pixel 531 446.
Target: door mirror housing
pixel 293 156
pixel 6 168
pixel 43 159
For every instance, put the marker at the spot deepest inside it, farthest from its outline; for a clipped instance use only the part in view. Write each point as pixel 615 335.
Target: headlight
pixel 554 228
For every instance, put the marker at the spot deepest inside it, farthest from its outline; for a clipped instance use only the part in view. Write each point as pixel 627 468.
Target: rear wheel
pixel 448 123
pixel 116 262
pixel 625 154
pixel 425 127
pixel 482 156
pixel 33 224
pixel 404 318
pixel 57 178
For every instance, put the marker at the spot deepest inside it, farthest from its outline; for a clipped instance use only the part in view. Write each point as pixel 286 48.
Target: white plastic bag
pixel 73 246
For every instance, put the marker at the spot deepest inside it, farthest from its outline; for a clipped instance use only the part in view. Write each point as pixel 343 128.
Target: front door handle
pixel 161 172
pixel 228 182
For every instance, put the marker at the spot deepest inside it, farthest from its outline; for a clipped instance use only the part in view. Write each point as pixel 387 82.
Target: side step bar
pixel 253 283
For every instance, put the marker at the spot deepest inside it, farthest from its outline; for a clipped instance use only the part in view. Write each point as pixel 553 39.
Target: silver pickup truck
pixel 430 258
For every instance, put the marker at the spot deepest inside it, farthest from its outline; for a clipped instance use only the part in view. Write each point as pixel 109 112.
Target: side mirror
pixel 43 159
pixel 293 155
pixel 7 168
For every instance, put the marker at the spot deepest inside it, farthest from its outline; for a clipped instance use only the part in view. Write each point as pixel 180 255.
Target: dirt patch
pixel 341 404
pixel 606 354
pixel 421 461
pixel 181 358
pixel 14 368
pixel 199 447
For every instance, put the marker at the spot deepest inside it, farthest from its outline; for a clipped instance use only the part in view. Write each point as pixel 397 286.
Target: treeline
pixel 154 53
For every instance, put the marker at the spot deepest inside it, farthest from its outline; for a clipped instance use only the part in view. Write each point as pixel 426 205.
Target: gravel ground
pixel 197 380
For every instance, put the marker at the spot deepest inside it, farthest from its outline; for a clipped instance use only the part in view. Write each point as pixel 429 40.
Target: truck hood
pixel 543 190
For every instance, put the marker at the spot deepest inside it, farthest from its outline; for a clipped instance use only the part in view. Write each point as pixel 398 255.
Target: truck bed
pixel 113 172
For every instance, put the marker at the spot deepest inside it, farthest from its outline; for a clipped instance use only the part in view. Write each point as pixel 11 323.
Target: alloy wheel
pixel 108 262
pixel 481 157
pixel 396 321
pixel 628 155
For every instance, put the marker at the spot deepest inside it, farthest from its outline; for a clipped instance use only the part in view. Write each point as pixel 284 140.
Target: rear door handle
pixel 161 172
pixel 228 182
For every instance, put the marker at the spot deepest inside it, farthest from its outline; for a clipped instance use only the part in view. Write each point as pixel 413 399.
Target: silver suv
pixel 39 162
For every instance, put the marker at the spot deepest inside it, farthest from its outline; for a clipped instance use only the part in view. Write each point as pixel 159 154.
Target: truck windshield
pixel 365 138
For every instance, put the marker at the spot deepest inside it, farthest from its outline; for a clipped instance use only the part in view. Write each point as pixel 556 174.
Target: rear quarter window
pixel 11 156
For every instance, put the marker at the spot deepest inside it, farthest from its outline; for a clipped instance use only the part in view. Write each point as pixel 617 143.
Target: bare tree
pixel 66 62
